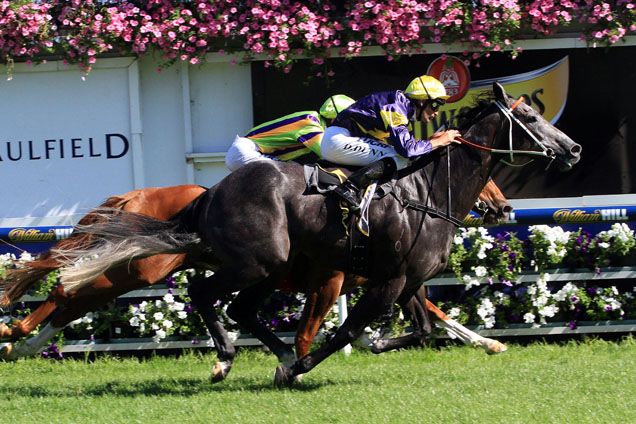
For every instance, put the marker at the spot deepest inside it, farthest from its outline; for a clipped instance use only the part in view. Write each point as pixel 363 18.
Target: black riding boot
pixel 348 190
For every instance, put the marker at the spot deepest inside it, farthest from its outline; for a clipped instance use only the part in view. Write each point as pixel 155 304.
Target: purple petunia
pixel 170 282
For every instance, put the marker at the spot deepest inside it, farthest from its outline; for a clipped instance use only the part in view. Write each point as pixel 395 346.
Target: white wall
pixel 178 124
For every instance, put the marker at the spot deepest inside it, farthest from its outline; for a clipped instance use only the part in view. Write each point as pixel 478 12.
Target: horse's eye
pixel 531 119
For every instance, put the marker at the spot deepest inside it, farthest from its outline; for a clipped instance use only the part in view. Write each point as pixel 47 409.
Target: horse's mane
pixel 468 115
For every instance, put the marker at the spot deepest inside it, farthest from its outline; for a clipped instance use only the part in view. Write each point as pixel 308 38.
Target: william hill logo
pixel 578 215
pixel 22 235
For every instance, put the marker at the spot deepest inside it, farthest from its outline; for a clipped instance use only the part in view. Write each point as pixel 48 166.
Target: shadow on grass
pixel 159 387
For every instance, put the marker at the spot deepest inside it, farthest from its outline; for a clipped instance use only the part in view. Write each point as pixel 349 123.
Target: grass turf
pixel 576 382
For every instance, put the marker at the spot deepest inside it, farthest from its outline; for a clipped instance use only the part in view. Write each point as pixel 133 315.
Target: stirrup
pixel 349 196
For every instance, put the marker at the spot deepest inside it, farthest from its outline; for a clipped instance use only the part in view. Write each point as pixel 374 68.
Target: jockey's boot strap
pixel 349 191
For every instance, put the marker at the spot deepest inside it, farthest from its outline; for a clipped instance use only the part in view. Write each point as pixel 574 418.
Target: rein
pixel 446 215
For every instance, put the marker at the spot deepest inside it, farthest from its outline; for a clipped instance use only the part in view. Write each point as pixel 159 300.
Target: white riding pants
pixel 339 146
pixel 243 151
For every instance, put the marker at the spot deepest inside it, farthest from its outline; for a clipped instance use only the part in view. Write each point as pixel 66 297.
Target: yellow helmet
pixel 426 87
pixel 334 105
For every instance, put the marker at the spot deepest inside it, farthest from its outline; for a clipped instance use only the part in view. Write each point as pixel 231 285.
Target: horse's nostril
pixel 576 149
pixel 508 209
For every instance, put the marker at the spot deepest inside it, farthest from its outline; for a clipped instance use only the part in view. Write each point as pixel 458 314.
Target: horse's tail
pixel 19 280
pixel 119 238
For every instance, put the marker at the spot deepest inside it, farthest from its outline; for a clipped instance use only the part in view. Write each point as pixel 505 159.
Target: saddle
pixel 323 177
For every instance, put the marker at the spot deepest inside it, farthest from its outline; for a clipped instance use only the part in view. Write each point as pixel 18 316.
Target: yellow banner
pixel 545 89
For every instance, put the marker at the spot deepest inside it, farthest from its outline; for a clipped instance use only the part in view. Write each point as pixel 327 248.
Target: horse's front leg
pixel 23 327
pixel 377 299
pixel 414 307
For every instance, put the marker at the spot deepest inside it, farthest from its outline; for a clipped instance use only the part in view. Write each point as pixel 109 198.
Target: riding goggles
pixel 435 104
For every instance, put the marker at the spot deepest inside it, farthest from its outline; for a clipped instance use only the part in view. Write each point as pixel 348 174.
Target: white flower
pixel 470 281
pixel 176 306
pixel 168 298
pixel 454 313
pixel 486 311
pixel 566 292
pixel 549 310
pixel 158 316
pixel 458 239
pixel 160 334
pixel 167 323
pixel 26 257
pixel 528 318
pixel 481 271
pixel 182 315
pixel 134 322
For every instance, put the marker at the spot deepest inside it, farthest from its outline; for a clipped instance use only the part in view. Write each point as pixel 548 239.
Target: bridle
pixel 507 112
pixel 512 119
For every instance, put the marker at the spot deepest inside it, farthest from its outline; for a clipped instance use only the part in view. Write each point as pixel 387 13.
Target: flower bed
pixel 495 296
pixel 78 31
pixel 494 290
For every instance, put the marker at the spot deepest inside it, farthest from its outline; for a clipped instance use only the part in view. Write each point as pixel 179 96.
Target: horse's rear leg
pixel 456 330
pixel 204 292
pixel 25 326
pixel 243 310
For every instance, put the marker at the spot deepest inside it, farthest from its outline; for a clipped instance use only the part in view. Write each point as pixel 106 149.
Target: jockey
pixel 286 138
pixel 376 132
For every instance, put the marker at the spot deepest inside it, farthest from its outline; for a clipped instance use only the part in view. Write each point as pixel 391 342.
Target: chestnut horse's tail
pixel 117 238
pixel 19 280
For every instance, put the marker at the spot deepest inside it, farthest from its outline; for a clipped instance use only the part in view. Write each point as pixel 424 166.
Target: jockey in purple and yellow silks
pixel 376 132
pixel 286 138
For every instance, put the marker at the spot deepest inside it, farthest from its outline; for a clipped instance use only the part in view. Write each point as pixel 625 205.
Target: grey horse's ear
pixel 500 93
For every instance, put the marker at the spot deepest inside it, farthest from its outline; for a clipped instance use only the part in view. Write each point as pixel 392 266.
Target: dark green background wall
pixel 599 113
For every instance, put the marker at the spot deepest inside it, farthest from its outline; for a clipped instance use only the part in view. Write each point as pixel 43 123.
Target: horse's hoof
pixel 283 377
pixel 493 346
pixel 5 331
pixel 220 371
pixel 7 353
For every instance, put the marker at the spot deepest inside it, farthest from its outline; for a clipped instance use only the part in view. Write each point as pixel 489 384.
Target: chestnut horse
pixel 321 286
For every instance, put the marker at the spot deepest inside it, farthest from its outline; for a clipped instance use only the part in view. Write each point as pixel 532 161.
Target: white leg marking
pixel 35 344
